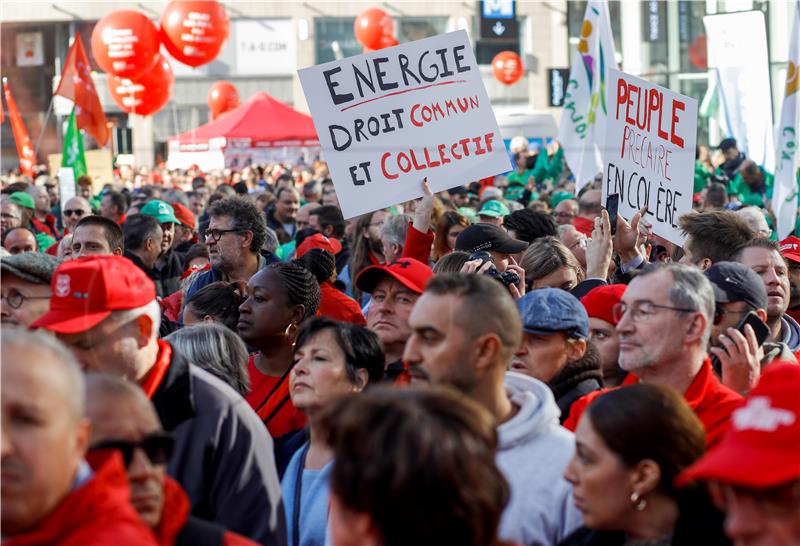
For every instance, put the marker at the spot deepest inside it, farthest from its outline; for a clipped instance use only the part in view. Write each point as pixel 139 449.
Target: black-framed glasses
pixel 74 212
pixel 720 312
pixel 643 310
pixel 15 300
pixel 216 234
pixel 158 447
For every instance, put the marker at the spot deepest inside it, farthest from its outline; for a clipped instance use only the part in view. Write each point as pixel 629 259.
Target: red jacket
pixel 175 516
pixel 583 225
pixel 337 305
pixel 96 513
pixel 711 401
pixel 418 245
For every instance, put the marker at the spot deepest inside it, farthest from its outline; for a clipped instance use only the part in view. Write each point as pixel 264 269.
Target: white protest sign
pixel 649 151
pixel 390 118
pixel 66 185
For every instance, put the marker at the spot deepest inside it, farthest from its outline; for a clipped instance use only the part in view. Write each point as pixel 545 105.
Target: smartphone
pixel 761 330
pixel 612 206
pixel 759 327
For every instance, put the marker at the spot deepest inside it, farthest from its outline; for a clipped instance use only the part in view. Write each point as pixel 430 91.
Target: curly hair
pixel 301 286
pixel 244 215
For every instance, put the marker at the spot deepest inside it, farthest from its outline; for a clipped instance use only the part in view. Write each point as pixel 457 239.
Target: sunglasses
pixel 74 212
pixel 158 448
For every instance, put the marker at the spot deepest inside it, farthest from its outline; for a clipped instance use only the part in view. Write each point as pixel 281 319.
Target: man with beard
pixel 168 267
pixel 733 158
pixel 790 250
pixel 236 231
pixel 764 257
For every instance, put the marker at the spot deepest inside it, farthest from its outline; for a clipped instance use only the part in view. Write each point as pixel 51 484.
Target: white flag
pixel 583 122
pixel 784 193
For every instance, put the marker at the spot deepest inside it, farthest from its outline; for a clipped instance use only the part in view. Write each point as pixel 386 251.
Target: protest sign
pixel 390 118
pixel 650 149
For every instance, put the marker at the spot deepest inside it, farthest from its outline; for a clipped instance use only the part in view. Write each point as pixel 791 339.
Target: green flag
pixel 73 148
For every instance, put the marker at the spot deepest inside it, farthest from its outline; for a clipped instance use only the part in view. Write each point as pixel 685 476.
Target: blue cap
pixel 550 310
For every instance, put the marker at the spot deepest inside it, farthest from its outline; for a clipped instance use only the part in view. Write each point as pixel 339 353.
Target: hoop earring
pixel 639 502
pixel 291 333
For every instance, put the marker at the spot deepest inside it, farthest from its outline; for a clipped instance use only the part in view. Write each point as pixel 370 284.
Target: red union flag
pixel 27 157
pixel 76 84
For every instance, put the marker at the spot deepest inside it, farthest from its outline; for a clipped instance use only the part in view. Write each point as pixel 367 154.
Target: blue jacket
pixel 214 275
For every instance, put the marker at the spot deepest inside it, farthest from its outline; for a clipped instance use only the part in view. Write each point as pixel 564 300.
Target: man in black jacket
pixel 554 348
pixel 105 310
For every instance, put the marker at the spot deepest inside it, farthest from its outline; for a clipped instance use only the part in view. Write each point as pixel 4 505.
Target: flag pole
pixel 44 126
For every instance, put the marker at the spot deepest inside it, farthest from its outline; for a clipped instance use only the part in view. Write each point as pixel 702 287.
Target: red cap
pixel 318 240
pixel 409 272
pixel 599 302
pixel 184 215
pixel 762 447
pixel 87 290
pixel 790 248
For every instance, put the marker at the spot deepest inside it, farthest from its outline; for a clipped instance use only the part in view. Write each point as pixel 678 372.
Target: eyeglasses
pixel 643 310
pixel 582 242
pixel 216 234
pixel 779 500
pixel 7 216
pixel 720 312
pixel 74 212
pixel 15 300
pixel 376 224
pixel 158 447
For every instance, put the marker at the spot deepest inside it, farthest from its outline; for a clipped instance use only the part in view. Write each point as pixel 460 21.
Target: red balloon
pixel 698 52
pixel 507 67
pixel 147 94
pixel 384 42
pixel 194 31
pixel 222 97
pixel 371 25
pixel 125 43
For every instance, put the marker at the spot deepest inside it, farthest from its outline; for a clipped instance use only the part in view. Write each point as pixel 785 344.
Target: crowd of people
pixel 222 358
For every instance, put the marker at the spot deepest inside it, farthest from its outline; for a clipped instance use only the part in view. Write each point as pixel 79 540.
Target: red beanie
pixel 600 301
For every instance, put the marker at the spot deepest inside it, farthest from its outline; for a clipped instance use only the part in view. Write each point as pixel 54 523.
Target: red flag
pixel 76 84
pixel 24 146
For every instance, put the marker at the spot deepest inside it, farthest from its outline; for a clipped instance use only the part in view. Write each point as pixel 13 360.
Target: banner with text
pixel 390 118
pixel 650 149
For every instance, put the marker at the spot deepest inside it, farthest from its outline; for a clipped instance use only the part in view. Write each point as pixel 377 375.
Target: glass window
pixel 575 11
pixel 340 29
pixel 692 36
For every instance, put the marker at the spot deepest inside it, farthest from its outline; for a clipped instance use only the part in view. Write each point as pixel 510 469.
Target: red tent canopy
pixel 261 122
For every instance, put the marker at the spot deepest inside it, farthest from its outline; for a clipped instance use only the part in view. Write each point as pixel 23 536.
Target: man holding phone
pixel 739 328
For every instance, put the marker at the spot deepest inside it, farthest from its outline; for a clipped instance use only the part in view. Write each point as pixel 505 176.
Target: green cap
pixel 22 199
pixel 160 210
pixel 494 209
pixel 469 213
pixel 560 196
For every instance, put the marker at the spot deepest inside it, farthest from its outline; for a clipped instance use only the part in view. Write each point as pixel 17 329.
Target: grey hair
pixel 491 193
pixel 216 349
pixel 394 229
pixel 270 241
pixel 152 310
pixel 38 342
pixel 690 289
pixel 63 244
pixel 564 229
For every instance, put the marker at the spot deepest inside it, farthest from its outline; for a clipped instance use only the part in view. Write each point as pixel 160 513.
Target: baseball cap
pixel 727 144
pixel 409 272
pixel 599 302
pixel 488 237
pixel 493 209
pixel 550 310
pixel 160 210
pixel 790 248
pixel 733 281
pixel 184 215
pixel 35 267
pixel 318 240
pixel 761 447
pixel 88 289
pixel 22 199
pixel 560 196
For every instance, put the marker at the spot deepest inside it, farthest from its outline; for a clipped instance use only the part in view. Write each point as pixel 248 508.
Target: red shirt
pixel 711 401
pixel 286 417
pixel 153 378
pixel 97 513
pixel 418 245
pixel 583 225
pixel 337 305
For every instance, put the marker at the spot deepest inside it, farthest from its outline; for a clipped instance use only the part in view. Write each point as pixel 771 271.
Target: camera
pixel 506 277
